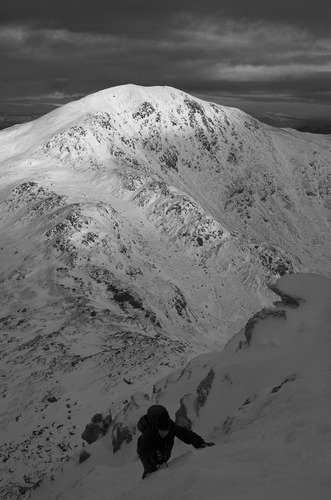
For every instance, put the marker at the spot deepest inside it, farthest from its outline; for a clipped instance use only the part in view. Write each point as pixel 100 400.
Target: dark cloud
pixel 125 17
pixel 311 16
pixel 135 16
pixel 64 49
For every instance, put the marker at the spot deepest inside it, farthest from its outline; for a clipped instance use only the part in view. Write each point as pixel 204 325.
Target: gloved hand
pixel 200 443
pixel 205 445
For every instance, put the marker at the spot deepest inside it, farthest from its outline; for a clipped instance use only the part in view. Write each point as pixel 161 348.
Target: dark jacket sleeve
pixel 188 436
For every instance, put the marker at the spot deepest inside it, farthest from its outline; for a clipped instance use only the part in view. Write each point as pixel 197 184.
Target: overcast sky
pixel 263 55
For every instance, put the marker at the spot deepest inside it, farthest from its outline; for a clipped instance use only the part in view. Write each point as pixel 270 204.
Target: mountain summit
pixel 139 227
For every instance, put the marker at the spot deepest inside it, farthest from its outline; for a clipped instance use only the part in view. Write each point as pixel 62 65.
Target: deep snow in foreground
pixel 267 407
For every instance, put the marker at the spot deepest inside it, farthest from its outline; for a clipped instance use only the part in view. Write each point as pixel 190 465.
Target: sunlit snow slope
pixel 139 227
pixel 264 401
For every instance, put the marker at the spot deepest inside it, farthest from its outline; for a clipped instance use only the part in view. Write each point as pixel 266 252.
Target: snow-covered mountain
pixel 139 228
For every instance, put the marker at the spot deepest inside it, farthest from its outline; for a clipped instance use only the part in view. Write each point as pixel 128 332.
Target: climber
pixel 157 439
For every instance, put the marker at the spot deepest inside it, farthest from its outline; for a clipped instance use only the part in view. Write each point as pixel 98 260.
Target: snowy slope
pixel 267 407
pixel 139 228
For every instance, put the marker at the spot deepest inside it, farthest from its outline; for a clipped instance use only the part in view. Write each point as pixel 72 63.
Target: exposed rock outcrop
pixel 121 434
pixel 98 426
pixel 181 416
pixel 287 300
pixel 84 455
pixel 203 390
pixel 260 316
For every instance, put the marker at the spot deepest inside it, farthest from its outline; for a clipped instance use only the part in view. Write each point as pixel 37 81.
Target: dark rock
pixel 98 426
pixel 170 159
pixel 124 297
pixel 181 416
pixel 179 302
pixel 260 316
pixel 204 389
pixel 146 109
pixel 91 433
pixel 52 399
pixel 287 300
pixel 290 378
pixel 97 418
pixel 227 425
pixel 121 434
pixel 245 403
pixel 33 486
pixel 84 455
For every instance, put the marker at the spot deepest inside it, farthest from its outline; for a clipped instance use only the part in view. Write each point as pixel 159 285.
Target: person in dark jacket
pixel 157 439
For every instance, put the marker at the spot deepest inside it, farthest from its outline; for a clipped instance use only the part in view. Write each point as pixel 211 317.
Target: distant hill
pixel 7 121
pixel 15 114
pixel 316 127
pixel 311 125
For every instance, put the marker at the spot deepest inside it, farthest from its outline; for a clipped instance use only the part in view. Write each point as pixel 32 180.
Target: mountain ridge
pixel 238 195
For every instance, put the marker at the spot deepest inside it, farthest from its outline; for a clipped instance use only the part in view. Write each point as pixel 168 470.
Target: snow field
pixel 275 445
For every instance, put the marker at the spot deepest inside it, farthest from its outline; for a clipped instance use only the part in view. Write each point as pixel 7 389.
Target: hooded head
pixel 163 422
pixel 159 419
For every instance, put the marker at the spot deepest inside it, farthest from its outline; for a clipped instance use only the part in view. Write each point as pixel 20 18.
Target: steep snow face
pixel 264 401
pixel 139 227
pixel 276 345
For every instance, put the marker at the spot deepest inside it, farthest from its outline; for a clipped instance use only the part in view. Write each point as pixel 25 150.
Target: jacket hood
pixel 154 413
